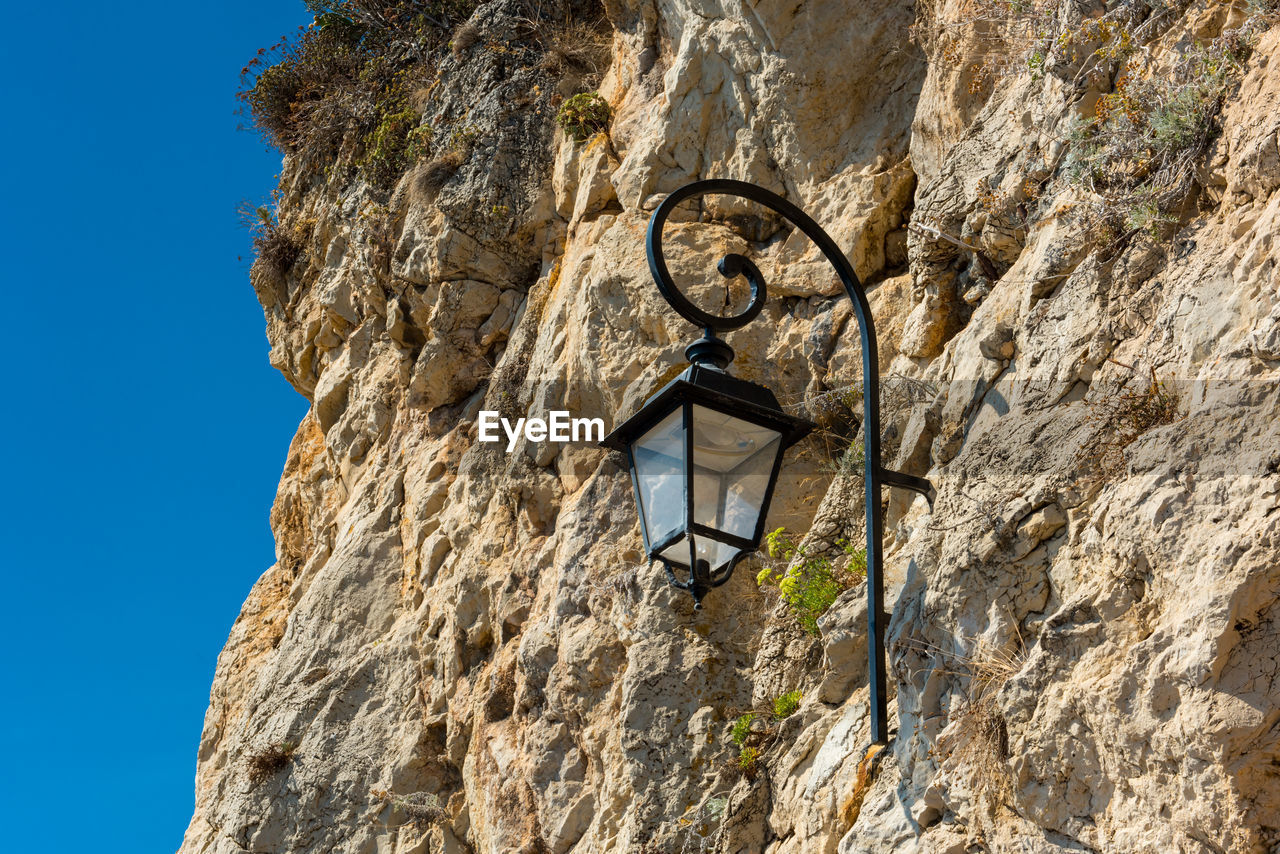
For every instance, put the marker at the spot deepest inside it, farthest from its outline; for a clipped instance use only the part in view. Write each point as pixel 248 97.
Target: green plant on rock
pixel 395 144
pixel 857 565
pixel 461 139
pixel 810 583
pixel 851 462
pixel 786 705
pixel 747 760
pixel 748 742
pixel 584 115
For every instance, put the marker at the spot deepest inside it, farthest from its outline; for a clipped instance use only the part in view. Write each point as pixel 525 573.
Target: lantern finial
pixel 709 351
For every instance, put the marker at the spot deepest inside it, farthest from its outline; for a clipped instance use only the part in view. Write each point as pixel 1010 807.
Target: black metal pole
pixel 874 474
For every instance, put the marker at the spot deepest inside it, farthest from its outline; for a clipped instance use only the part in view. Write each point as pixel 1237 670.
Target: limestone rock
pixel 1082 631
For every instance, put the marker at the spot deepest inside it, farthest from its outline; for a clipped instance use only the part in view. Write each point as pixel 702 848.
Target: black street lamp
pixel 705 450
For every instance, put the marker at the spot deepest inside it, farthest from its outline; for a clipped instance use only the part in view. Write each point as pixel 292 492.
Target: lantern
pixel 704 454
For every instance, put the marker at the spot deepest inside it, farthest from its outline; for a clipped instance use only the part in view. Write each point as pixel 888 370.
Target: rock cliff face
pixel 462 649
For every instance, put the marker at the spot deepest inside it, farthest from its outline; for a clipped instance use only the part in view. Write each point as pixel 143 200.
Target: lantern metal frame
pixel 713 353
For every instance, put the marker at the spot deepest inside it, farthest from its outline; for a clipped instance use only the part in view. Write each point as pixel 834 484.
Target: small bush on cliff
pixel 271 760
pixel 809 583
pixel 747 760
pixel 304 91
pixel 749 741
pixel 576 49
pixel 345 76
pixel 585 115
pixel 395 144
pixel 277 248
pixel 1138 155
pixel 786 705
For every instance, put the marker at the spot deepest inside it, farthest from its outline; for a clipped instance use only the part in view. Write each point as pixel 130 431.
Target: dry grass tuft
pixel 449 157
pixel 466 37
pixel 1121 417
pixel 271 760
pixel 577 49
pixel 975 743
pixel 439 170
pixel 422 810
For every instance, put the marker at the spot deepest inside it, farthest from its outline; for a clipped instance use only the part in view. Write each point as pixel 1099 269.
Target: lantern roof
pixel 718 390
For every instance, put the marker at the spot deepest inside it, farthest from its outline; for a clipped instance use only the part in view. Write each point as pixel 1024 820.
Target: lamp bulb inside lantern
pixel 722 440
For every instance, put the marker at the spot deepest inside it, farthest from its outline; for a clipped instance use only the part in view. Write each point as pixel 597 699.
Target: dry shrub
pixel 1121 417
pixel 345 79
pixel 580 49
pixel 271 760
pixel 838 415
pixel 277 247
pixel 450 154
pixel 304 92
pixel 576 45
pixel 422 810
pixel 438 170
pixel 1138 156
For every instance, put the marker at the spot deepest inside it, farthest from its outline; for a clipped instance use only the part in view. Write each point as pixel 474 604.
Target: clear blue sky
pixel 143 430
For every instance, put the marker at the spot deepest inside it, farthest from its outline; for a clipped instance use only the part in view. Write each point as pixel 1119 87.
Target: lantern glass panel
pixel 732 464
pixel 714 552
pixel 659 461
